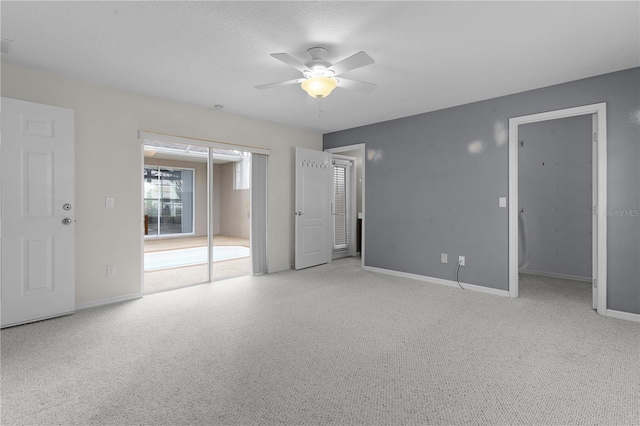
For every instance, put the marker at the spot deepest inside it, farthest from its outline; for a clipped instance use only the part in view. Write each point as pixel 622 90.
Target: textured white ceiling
pixel 429 55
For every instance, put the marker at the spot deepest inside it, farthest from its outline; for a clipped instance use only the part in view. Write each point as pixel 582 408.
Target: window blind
pixel 259 214
pixel 341 211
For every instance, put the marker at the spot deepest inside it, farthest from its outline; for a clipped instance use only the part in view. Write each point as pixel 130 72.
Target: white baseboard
pixel 440 281
pixel 623 315
pixel 279 269
pixel 504 293
pixel 107 301
pixel 554 275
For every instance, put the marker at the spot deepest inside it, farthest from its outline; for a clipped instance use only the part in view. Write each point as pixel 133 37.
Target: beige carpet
pixel 330 345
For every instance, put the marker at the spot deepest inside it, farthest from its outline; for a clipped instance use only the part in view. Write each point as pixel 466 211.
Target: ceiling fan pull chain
pixel 319 107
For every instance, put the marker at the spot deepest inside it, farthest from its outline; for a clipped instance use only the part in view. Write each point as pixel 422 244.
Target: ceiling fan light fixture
pixel 319 87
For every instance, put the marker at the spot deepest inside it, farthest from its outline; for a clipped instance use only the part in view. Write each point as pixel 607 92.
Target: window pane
pixel 243 171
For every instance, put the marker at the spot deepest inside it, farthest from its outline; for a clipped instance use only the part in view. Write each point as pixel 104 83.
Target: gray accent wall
pixel 555 191
pixel 433 182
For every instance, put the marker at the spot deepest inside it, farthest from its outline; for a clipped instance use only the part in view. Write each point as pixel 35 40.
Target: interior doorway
pixel 325 207
pixel 357 153
pixel 343 206
pixel 597 112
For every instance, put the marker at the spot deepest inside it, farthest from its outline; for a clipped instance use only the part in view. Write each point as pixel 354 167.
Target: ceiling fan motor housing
pixel 318 63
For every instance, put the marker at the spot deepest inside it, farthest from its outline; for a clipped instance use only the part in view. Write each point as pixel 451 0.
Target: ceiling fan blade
pixel 360 86
pixel 358 60
pixel 280 83
pixel 291 61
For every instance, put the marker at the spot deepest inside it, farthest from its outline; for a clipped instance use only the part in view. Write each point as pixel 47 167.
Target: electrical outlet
pixel 461 260
pixel 111 271
pixel 444 258
pixel 108 202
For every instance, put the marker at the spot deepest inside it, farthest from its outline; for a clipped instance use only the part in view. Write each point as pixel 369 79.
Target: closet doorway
pixel 598 172
pixel 343 205
pixel 356 154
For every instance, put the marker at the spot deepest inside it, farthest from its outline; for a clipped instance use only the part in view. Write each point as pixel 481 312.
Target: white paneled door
pixel 313 208
pixel 37 212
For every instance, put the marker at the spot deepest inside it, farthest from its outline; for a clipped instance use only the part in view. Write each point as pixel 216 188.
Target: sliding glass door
pixel 197 213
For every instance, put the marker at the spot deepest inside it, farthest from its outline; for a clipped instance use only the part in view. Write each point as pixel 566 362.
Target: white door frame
pixel 599 202
pixel 357 147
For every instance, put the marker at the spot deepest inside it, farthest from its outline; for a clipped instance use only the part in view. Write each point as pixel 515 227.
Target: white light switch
pixel 502 202
pixel 108 203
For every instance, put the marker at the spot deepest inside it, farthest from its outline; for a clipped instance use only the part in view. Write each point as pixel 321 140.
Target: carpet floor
pixel 330 345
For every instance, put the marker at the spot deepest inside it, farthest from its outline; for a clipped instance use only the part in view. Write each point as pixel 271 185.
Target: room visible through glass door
pixel 168 201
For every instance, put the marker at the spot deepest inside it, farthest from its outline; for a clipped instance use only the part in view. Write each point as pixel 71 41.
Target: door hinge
pixel 595 283
pixel 595 137
pixel 521 141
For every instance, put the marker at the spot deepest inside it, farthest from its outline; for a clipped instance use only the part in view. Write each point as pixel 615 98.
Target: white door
pixel 37 213
pixel 313 208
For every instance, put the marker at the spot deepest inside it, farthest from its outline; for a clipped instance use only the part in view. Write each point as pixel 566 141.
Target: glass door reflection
pixel 168 201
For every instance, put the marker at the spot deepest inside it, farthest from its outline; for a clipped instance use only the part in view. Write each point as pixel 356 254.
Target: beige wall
pixel 215 170
pixel 234 205
pixel 106 124
pixel 200 195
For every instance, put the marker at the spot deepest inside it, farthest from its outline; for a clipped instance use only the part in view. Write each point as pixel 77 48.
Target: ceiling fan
pixel 320 77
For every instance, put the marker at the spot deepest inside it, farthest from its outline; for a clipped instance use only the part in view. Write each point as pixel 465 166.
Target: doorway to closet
pixel 356 155
pixel 557 167
pixel 343 205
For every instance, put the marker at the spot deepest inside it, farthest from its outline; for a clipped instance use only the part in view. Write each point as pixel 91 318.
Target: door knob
pixel 66 221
